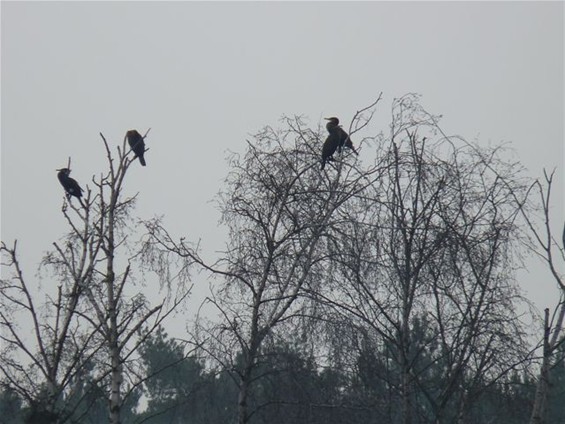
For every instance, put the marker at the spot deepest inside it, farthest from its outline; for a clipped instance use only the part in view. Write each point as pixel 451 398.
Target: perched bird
pixel 70 185
pixel 336 140
pixel 137 144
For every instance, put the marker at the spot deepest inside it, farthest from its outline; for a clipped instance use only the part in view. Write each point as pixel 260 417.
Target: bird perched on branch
pixel 137 144
pixel 69 184
pixel 337 139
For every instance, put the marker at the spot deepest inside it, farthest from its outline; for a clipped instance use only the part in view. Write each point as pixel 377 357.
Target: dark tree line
pixel 297 388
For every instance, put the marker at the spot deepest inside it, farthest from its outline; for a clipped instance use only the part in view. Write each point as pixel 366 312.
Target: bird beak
pixel 327 119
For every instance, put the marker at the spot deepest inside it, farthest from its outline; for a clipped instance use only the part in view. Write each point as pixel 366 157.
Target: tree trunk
pixel 116 374
pixel 242 400
pixel 113 345
pixel 540 403
pixel 406 401
pixel 245 377
pixel 406 379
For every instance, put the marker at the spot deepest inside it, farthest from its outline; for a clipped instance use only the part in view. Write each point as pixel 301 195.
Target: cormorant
pixel 337 139
pixel 69 184
pixel 137 144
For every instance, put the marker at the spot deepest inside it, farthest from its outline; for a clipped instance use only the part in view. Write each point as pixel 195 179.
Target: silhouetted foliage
pixel 381 289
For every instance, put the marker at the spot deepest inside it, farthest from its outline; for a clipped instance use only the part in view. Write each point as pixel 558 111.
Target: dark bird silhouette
pixel 69 184
pixel 336 140
pixel 137 144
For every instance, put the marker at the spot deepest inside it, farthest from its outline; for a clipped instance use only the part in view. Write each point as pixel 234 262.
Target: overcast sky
pixel 204 76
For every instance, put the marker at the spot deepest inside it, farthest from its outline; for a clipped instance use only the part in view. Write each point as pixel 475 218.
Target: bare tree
pixel 416 252
pixel 100 316
pixel 122 314
pixel 544 245
pixel 43 365
pixel 422 262
pixel 278 207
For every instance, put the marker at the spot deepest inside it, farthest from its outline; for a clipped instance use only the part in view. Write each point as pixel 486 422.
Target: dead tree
pixel 278 208
pixel 428 247
pixel 545 246
pixel 120 310
pixel 42 365
pixel 99 316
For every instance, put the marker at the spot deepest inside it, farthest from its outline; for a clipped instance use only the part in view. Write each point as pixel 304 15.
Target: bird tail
pixel 142 160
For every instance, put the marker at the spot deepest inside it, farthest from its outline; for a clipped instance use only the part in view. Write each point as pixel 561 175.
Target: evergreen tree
pixel 10 407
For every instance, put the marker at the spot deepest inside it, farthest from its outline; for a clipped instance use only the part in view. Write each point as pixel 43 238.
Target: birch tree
pixel 42 365
pixel 100 315
pixel 423 264
pixel 277 206
pixel 551 250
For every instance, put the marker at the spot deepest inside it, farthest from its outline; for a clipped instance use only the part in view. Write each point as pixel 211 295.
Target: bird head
pixel 333 120
pixel 133 133
pixel 65 171
pixel 333 123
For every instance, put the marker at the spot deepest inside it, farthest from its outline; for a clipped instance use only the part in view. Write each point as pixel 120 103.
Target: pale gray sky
pixel 205 75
